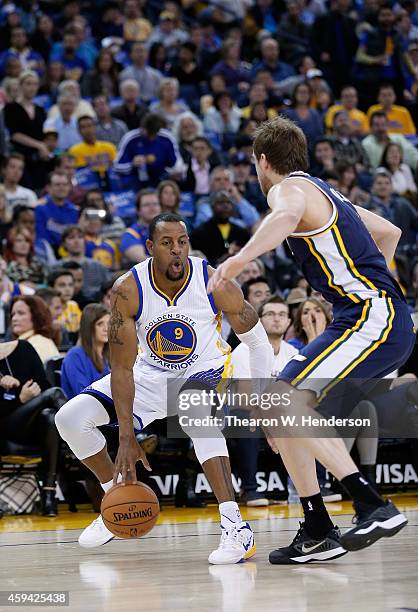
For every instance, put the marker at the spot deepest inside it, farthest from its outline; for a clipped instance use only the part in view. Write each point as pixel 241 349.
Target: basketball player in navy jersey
pixel 344 252
pixel 163 306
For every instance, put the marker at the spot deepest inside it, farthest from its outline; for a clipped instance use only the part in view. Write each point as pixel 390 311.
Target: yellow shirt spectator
pixel 246 112
pixel 71 316
pixel 399 119
pixel 358 119
pixel 98 156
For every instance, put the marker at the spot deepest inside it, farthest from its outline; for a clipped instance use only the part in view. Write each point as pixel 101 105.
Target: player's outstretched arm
pixel 288 204
pixel 384 233
pixel 123 345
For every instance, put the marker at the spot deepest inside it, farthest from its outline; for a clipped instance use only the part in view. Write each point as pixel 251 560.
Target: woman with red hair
pixel 31 320
pixel 22 265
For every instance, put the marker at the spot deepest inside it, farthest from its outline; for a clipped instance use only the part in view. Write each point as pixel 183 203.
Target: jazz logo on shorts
pixel 172 341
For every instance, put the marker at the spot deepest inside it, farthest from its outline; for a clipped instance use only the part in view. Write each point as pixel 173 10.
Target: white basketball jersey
pixel 180 334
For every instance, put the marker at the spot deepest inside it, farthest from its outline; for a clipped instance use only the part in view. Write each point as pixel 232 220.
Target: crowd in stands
pixel 112 112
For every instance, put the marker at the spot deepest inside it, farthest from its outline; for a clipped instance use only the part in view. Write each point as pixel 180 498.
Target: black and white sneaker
pixel 383 522
pixel 304 549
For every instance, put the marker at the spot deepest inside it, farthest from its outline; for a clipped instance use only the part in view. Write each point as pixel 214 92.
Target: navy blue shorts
pixel 364 341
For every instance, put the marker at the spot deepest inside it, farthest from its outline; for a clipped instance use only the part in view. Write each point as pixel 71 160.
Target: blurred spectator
pixel 167 33
pixel 246 183
pixel 23 265
pixel 28 411
pixel 107 127
pixel 65 123
pixel 103 79
pixel 399 118
pixel 187 70
pixel 396 209
pixel 349 100
pixel 301 113
pixel 44 36
pixel 11 91
pixel 77 273
pixel 72 88
pixel 310 321
pixel 223 117
pixel 5 216
pixel 293 32
pixel 68 54
pixel 113 226
pixel 147 78
pixel 9 289
pixel 50 84
pixel 133 242
pixel 13 169
pixel 270 60
pixel 66 164
pixel 94 273
pixel 185 129
pixel 402 178
pixel 256 291
pixel 169 196
pixel 323 157
pixel 199 167
pixel 24 119
pixel 347 183
pixel 98 248
pixel 219 236
pixel 334 42
pixel 347 147
pixel 379 138
pixel 258 93
pixel 63 282
pixel 130 112
pixel 55 211
pixel 31 320
pixel 149 153
pixel 24 216
pixel 168 105
pixel 135 27
pixel 253 269
pixel 89 360
pixel 52 299
pixel 19 49
pixel 157 58
pixel 222 179
pixel 377 58
pixel 235 72
pixel 97 155
pixel 108 24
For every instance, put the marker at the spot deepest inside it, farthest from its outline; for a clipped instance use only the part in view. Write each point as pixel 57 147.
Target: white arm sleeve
pixel 261 354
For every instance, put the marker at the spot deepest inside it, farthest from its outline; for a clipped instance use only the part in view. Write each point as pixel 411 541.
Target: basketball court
pixel 167 569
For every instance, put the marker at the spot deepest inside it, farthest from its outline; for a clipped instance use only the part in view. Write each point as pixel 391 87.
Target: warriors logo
pixel 173 341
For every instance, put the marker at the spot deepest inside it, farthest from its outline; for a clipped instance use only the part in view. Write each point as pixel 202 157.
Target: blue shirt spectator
pixel 57 212
pixel 29 59
pixel 69 56
pixel 65 124
pixel 78 371
pixel 270 53
pixel 149 153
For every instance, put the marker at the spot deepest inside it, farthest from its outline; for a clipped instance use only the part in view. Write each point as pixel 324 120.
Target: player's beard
pixel 265 184
pixel 175 274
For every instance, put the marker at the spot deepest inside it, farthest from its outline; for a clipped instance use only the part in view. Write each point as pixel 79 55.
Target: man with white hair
pixel 148 78
pixel 82 108
pixel 130 112
pixel 222 179
pixel 65 123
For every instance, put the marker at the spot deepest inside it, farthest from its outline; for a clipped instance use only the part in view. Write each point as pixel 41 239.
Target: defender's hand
pixel 128 454
pixel 228 270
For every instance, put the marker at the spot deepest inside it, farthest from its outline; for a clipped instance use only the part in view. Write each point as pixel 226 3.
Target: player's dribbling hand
pixel 129 453
pixel 228 270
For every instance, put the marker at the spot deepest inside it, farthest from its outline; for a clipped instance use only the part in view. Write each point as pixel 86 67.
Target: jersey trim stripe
pixel 170 301
pixel 140 294
pixel 332 347
pixel 350 264
pixel 365 352
pixel 206 279
pixel 332 221
pixel 328 272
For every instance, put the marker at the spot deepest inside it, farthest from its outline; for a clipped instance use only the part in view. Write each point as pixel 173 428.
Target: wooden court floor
pixel 167 570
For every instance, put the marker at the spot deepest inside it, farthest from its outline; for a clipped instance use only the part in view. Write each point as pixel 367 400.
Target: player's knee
pixel 71 418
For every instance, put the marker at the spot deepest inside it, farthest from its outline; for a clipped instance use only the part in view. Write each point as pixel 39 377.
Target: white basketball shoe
pixel 96 534
pixel 237 544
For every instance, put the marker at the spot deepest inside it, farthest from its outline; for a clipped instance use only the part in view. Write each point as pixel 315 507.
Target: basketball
pixel 131 510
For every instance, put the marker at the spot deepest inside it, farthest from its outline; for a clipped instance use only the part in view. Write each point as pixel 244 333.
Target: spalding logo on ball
pixel 131 510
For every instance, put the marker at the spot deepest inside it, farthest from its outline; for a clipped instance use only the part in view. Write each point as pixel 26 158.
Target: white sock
pixel 230 514
pixel 108 485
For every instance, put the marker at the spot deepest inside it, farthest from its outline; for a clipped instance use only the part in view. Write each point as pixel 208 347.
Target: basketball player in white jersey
pixel 344 252
pixel 162 305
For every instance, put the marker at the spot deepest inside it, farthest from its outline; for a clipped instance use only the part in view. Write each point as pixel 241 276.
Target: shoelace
pixel 229 538
pixel 299 534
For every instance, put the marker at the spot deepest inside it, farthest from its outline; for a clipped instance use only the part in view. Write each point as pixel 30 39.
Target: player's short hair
pixel 166 217
pixel 284 145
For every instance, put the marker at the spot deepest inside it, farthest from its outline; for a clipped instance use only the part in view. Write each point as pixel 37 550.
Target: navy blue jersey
pixel 341 260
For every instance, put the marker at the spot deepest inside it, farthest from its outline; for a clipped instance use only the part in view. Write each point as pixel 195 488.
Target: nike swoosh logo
pixel 308 549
